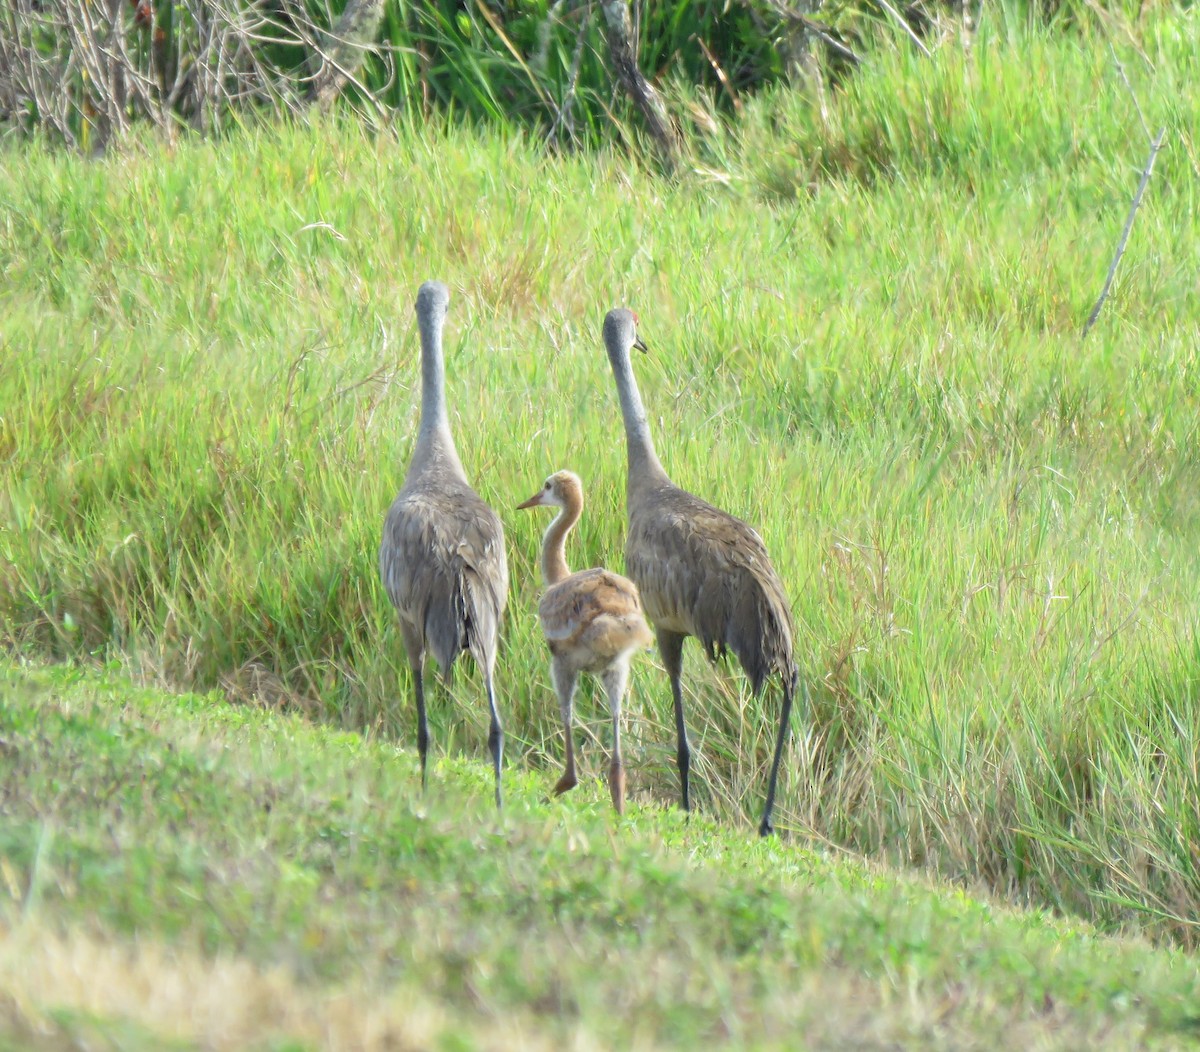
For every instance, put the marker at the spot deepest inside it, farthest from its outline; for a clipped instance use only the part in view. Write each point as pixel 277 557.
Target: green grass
pixel 176 869
pixel 987 525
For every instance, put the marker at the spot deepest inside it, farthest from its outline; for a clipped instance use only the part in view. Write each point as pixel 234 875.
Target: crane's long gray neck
pixel 435 443
pixel 644 465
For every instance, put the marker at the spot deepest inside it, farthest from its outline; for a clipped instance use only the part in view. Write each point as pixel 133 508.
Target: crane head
pixel 433 298
pixel 637 340
pixel 620 331
pixel 560 489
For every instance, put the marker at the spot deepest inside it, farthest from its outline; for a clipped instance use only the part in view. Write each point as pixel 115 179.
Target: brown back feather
pixel 705 573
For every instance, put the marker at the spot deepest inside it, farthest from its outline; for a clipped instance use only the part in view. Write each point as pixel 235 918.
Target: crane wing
pixel 443 565
pixel 706 573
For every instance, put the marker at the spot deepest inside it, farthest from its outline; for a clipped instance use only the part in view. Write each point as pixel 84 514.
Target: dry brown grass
pixel 52 984
pixel 78 990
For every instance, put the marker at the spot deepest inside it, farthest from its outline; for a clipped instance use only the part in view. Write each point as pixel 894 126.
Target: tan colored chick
pixel 593 622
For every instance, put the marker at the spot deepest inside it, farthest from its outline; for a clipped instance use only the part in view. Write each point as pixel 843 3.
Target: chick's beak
pixel 533 501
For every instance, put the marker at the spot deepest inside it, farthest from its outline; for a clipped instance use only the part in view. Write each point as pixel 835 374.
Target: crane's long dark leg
pixel 416 662
pixel 496 733
pixel 422 722
pixel 670 649
pixel 789 689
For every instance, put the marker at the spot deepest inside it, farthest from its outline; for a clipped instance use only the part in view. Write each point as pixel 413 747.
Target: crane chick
pixel 592 621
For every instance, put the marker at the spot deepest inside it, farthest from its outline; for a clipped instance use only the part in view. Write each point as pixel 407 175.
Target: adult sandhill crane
pixel 592 621
pixel 442 556
pixel 701 572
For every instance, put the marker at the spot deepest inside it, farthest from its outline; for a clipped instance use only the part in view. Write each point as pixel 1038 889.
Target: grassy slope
pixel 987 526
pixel 229 878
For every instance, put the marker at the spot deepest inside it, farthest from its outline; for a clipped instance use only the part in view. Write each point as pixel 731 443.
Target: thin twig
pixel 818 29
pixel 905 26
pixel 722 76
pixel 1132 94
pixel 1137 200
pixel 563 117
pixel 513 50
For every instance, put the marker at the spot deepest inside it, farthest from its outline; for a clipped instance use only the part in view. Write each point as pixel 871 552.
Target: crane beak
pixel 637 342
pixel 535 501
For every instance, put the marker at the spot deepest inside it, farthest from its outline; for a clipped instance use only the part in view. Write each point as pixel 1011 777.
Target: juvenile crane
pixel 701 572
pixel 442 557
pixel 592 621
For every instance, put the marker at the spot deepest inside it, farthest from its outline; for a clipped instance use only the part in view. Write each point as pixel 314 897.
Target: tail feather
pixel 481 620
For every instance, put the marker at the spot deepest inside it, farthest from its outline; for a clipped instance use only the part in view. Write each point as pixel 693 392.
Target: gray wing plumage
pixel 443 565
pixel 705 573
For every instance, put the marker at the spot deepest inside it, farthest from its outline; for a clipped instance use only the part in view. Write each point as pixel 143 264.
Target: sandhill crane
pixel 701 572
pixel 442 556
pixel 592 621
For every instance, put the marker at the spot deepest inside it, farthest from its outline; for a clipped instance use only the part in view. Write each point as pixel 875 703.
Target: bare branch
pixel 618 30
pixel 1132 94
pixel 903 24
pixel 819 29
pixel 1137 200
pixel 346 48
pixel 563 117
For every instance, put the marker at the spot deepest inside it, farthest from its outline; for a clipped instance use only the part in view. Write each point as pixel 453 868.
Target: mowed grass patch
pixel 179 870
pixel 986 525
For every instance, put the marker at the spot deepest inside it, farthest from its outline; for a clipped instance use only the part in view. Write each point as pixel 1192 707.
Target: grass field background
pixel 864 338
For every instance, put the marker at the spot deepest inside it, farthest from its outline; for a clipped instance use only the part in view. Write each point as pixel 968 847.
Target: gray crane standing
pixel 701 572
pixel 442 557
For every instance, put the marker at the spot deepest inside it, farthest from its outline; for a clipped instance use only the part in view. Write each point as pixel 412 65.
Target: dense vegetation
pixel 70 71
pixel 85 72
pixel 987 523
